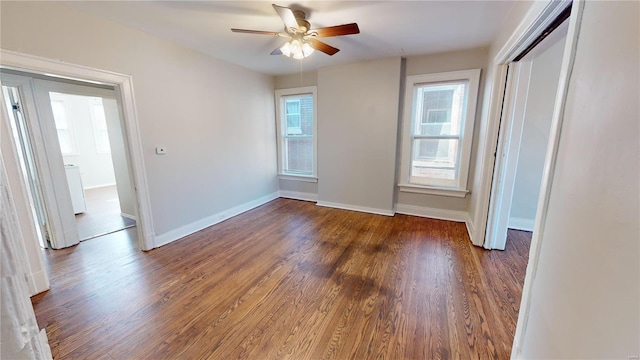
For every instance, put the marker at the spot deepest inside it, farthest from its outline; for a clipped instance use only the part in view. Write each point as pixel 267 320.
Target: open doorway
pixel 530 96
pixel 74 155
pixel 94 163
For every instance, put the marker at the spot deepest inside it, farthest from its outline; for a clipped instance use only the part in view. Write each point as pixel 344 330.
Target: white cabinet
pixel 75 188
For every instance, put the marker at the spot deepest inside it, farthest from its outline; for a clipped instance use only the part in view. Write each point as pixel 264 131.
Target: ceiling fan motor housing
pixel 303 24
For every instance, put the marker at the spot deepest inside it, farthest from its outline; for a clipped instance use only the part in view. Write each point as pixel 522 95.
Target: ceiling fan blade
pixel 339 30
pixel 320 46
pixel 277 51
pixel 258 32
pixel 287 16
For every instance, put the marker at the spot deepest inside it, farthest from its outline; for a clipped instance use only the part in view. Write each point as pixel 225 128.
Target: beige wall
pixel 296 80
pixel 357 129
pixel 585 292
pixel 215 118
pixel 435 63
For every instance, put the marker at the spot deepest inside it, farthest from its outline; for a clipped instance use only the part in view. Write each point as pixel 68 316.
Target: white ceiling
pixel 390 28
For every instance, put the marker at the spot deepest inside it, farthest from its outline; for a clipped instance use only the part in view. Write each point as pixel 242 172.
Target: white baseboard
pixel 298 195
pixel 173 235
pixel 98 186
pixel 521 224
pixel 356 208
pixel 433 213
pixel 471 229
pixel 38 282
pixel 128 216
pixel 43 349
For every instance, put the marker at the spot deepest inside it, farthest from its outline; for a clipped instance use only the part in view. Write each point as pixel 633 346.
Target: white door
pixel 46 176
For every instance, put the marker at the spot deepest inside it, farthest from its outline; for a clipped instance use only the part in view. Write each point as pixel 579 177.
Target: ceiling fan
pixel 303 40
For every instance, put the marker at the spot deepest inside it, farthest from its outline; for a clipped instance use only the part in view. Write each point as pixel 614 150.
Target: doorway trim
pixel 124 93
pixel 509 140
pixel 538 18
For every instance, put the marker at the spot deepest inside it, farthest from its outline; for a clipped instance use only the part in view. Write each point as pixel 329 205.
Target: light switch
pixel 161 150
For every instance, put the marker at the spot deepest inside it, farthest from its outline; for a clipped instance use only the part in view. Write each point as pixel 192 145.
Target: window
pixel 293 115
pixel 99 122
pixel 296 117
pixel 437 130
pixel 63 128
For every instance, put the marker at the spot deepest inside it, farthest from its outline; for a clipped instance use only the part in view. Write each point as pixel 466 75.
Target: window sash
pixel 296 131
pixel 438 130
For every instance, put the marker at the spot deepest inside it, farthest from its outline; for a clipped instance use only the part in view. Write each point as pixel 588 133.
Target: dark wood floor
pixel 287 280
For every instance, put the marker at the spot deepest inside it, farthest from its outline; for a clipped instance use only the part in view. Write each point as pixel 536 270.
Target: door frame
pixel 538 18
pixel 124 94
pixel 509 139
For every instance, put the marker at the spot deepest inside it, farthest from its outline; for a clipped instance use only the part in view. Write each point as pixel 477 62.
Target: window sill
pixel 303 178
pixel 421 189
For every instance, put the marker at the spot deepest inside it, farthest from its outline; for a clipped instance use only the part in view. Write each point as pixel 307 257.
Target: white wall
pixel 215 118
pixel 357 129
pixel 119 158
pixel 96 169
pixel 545 72
pixel 585 293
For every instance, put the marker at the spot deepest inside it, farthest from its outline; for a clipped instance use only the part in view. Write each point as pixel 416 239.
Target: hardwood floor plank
pixel 287 280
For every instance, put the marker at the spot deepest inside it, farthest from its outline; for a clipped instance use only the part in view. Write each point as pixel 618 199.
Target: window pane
pixel 299 114
pixel 293 124
pixel 100 132
pixel 440 109
pixel 434 158
pixel 65 142
pixel 299 155
pixel 99 117
pixel 297 135
pixel 59 114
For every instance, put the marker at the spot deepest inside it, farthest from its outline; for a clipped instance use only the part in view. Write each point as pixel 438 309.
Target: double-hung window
pixel 99 121
pixel 296 130
pixel 63 126
pixel 437 130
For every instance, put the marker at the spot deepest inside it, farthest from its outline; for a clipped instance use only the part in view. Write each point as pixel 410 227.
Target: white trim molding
pixel 128 216
pixel 125 95
pixel 179 233
pixel 280 129
pixel 534 23
pixel 38 282
pixel 420 189
pixel 299 195
pixel 310 179
pixel 433 213
pixel 575 19
pixel 467 119
pixel 356 208
pixel 521 224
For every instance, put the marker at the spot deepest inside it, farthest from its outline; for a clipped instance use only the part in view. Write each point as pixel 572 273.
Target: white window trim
pixel 280 131
pixel 473 76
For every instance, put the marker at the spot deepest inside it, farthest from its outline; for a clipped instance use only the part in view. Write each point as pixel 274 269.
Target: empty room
pixel 322 179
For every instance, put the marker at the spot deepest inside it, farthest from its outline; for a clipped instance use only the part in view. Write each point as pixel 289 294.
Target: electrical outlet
pixel 161 150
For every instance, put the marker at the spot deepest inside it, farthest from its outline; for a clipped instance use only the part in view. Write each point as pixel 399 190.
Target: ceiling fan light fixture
pixel 286 49
pixel 298 49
